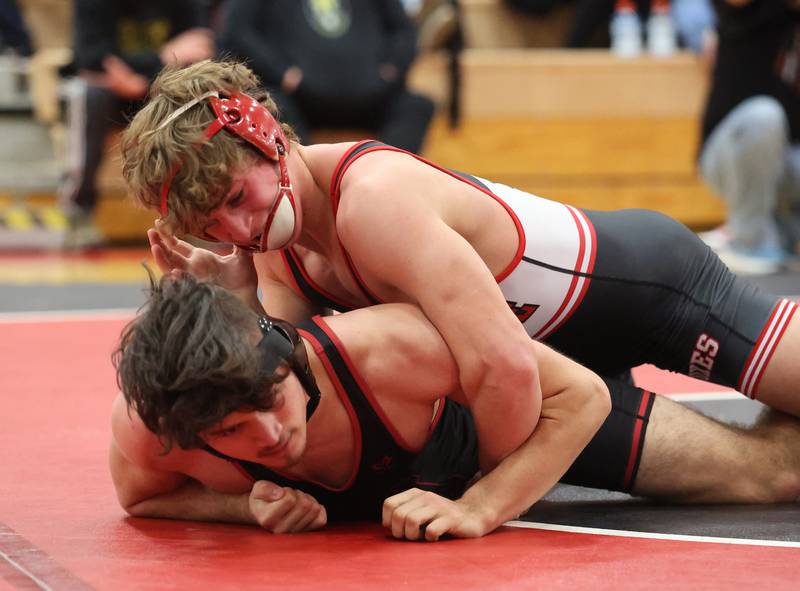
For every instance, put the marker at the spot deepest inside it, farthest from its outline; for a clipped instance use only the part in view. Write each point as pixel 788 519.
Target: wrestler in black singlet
pixel 449 459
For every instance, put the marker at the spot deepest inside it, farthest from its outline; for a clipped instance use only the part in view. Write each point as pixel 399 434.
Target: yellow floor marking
pixel 53 269
pixel 18 218
pixel 53 218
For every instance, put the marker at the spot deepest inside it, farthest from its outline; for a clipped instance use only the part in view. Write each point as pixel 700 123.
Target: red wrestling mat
pixel 61 527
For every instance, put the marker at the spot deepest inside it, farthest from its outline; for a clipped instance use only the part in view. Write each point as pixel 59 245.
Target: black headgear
pixel 281 343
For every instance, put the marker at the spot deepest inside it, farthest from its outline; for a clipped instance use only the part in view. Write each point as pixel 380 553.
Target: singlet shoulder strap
pixel 349 157
pixel 341 369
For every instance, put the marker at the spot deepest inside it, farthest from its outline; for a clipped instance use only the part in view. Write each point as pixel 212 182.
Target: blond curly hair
pixel 150 152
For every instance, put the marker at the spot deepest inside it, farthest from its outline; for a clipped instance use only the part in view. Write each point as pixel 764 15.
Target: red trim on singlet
pixel 342 394
pixel 334 185
pixel 298 261
pixel 760 356
pixel 293 283
pixel 336 182
pixel 636 439
pixel 546 329
pixel 320 321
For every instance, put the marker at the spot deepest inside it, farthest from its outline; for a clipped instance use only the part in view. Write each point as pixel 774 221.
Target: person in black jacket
pixel 333 64
pixel 119 47
pixel 14 34
pixel 750 152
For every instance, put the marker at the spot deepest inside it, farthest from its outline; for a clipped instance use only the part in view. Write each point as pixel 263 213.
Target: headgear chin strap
pixel 281 343
pixel 244 116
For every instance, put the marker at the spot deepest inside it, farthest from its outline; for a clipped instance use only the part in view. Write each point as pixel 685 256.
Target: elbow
pixel 132 507
pixel 133 510
pixel 595 400
pixel 510 372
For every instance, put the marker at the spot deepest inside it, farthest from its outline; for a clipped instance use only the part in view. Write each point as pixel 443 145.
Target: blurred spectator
pixel 750 151
pixel 695 22
pixel 13 32
pixel 119 47
pixel 331 63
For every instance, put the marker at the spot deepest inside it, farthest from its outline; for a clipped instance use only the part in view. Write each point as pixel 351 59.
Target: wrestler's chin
pixel 290 454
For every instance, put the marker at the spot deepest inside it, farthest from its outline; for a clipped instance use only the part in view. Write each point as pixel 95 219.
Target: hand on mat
pixel 235 272
pixel 417 514
pixel 281 510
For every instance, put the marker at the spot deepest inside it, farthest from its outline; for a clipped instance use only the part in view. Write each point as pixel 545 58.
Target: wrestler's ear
pixel 266 491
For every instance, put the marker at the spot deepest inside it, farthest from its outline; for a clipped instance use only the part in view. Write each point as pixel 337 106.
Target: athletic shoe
pixel 744 260
pixel 751 261
pixel 716 238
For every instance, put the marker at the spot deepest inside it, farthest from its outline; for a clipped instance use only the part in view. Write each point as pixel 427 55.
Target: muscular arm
pixel 574 407
pixel 403 241
pixel 404 361
pixel 150 484
pixel 145 492
pixel 575 404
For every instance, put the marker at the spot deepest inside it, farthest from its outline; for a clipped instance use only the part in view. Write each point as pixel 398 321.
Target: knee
pixel 763 129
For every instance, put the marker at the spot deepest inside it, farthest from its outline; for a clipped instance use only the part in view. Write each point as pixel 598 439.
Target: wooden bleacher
pixel 575 125
pixel 582 126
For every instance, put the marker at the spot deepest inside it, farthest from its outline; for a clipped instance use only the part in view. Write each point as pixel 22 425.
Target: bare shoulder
pixel 384 195
pixel 377 171
pixel 390 344
pixel 134 440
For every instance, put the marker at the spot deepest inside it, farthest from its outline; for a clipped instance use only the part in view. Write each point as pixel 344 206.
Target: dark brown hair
pixel 189 359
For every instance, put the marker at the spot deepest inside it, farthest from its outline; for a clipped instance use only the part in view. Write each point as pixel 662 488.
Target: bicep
pixel 134 482
pixel 433 265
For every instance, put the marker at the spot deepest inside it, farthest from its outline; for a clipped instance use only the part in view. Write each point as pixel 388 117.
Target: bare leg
pixel 780 385
pixel 690 458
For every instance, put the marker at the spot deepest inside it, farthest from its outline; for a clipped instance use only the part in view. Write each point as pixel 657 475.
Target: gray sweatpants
pixel 750 162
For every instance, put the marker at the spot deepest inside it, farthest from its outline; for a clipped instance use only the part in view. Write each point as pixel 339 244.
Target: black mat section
pixel 757 522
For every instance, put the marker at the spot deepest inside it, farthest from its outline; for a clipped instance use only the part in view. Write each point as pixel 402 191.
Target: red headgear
pixel 244 116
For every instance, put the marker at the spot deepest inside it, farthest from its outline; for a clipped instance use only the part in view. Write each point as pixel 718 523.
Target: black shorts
pixel 659 295
pixel 611 460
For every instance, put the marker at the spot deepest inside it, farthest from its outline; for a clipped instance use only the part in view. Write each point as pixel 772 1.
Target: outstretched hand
pixel 281 509
pixel 235 271
pixel 423 515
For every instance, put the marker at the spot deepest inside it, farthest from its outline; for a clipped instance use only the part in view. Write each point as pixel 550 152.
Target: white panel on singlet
pixel 557 235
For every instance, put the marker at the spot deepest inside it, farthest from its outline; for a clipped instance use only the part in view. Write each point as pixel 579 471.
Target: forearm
pixel 506 404
pixel 195 502
pixel 526 475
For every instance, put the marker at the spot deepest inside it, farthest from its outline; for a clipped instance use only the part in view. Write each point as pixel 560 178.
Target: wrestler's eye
pixel 236 200
pixel 226 432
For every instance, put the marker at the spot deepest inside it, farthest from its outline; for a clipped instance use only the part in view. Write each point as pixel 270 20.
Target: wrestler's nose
pixel 236 225
pixel 268 430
